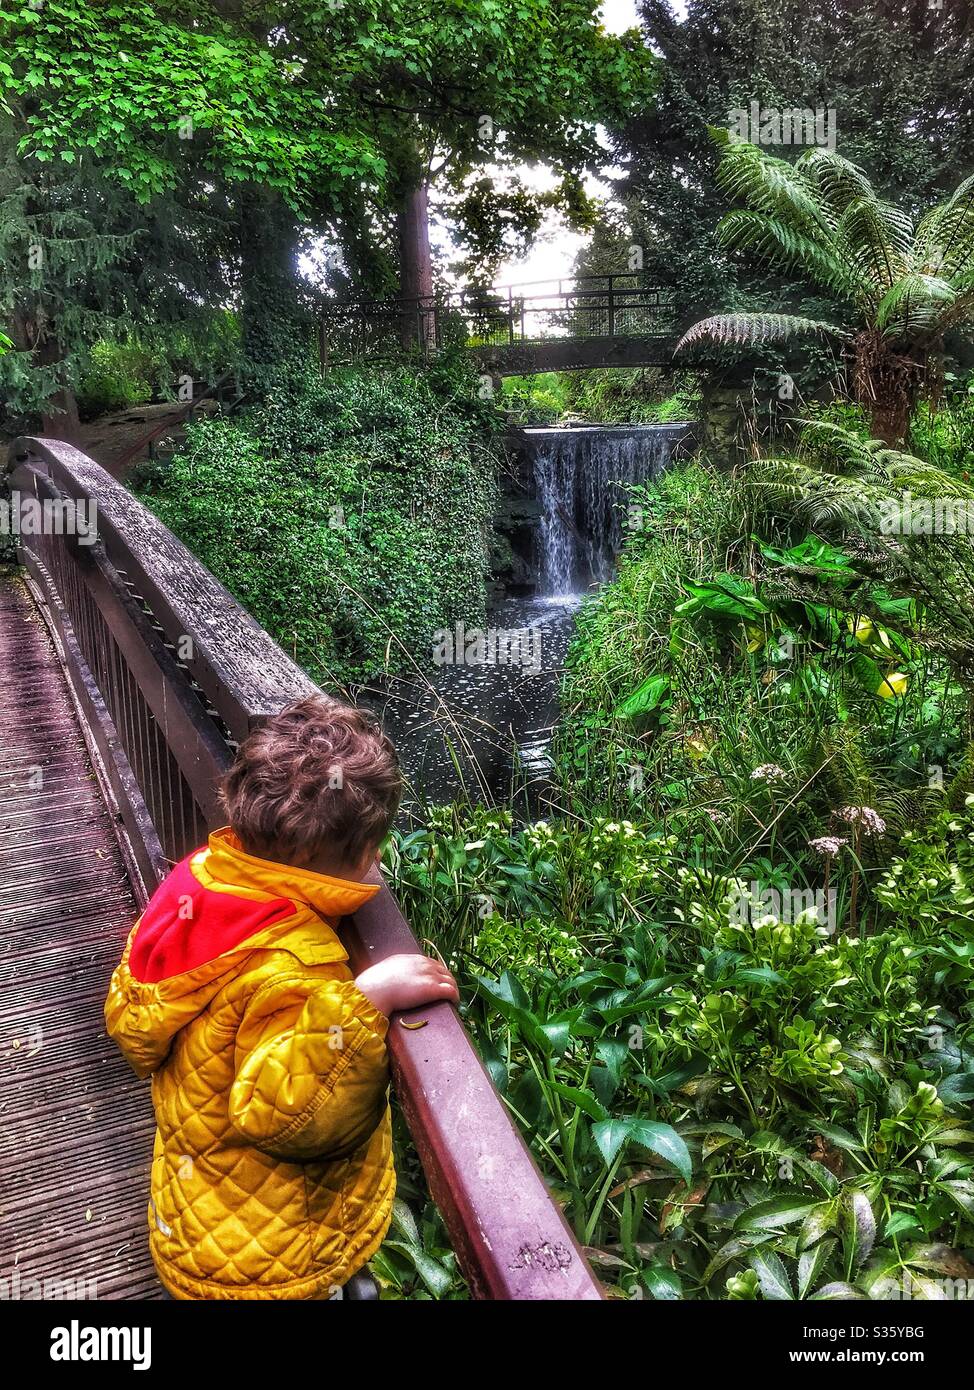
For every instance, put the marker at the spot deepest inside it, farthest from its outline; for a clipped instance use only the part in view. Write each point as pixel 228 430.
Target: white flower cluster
pixel 828 845
pixel 768 772
pixel 867 820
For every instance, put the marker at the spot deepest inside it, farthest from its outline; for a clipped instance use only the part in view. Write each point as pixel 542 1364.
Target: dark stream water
pixel 478 712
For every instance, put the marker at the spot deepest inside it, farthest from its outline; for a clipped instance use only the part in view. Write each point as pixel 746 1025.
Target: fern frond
pixel 839 181
pixel 773 186
pixel 945 236
pixel 725 330
pixel 876 239
pixel 818 499
pixel 772 240
pixel 916 304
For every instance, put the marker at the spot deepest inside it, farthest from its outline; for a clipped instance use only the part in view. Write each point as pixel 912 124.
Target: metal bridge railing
pixel 170 673
pixel 596 306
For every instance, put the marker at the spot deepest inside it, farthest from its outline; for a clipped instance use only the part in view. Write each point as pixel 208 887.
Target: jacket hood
pixel 217 906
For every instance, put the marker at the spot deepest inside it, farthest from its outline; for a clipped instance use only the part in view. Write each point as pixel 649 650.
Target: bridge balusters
pixel 170 673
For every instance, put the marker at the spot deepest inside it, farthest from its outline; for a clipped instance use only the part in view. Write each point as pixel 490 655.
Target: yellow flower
pixel 861 628
pixel 895 683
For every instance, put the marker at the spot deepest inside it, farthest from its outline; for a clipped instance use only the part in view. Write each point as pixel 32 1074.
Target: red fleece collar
pixel 186 925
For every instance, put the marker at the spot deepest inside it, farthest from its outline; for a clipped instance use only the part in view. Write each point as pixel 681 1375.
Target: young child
pixel 272 1171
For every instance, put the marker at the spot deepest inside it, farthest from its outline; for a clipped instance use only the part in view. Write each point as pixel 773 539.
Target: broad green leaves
pixel 612 1135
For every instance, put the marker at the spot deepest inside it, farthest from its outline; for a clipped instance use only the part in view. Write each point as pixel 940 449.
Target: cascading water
pixel 582 476
pixel 477 726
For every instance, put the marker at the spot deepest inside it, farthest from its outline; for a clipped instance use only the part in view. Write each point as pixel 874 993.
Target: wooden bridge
pixel 516 330
pixel 128 675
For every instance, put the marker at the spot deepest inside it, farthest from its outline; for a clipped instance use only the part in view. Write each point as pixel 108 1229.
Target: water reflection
pixel 483 730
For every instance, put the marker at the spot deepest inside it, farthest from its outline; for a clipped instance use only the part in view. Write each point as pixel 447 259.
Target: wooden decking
pixel 75 1125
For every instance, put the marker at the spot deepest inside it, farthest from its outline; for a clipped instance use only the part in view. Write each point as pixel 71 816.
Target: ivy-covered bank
pixel 350 515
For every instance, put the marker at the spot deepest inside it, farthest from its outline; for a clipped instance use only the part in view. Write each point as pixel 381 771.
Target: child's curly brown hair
pixel 319 781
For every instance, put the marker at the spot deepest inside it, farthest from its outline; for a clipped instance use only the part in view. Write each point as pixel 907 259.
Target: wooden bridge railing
pixel 170 674
pixel 509 316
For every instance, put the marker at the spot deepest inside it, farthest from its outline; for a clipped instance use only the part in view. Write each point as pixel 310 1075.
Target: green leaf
pixel 726 595
pixel 961 1193
pixel 614 1054
pixel 662 1282
pixel 611 1135
pixel 663 1140
pixel 772 1215
pixel 811 1264
pixel 835 1291
pixel 900 1223
pixel 860 1227
pixel 835 1134
pixel 756 975
pixel 404 1222
pixel 733 1249
pixel 771 1276
pixel 585 1100
pixel 957 1089
pixel 644 699
pixel 552 1038
pixel 820 1219
pixel 434 1275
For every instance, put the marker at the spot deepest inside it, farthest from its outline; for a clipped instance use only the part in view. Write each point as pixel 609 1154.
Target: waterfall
pixel 582 476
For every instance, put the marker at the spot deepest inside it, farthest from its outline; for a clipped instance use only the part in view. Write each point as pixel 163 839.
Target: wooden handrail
pixel 171 422
pixel 170 672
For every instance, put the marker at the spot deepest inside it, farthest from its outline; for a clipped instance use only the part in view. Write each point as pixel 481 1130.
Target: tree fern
pixel 906 285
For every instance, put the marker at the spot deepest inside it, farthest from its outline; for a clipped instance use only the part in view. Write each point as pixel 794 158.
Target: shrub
pixel 351 518
pixel 130 371
pixel 117 375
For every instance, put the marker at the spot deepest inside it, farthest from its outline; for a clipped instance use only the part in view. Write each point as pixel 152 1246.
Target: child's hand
pixel 405 982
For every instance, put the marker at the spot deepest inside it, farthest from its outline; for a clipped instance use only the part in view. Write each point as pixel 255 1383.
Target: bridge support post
pixel 725 405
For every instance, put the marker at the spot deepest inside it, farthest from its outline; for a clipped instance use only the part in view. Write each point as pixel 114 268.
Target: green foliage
pixel 895 74
pixel 118 374
pixel 415 1262
pixel 628 396
pixel 183 155
pixel 757 1107
pixel 615 396
pixel 541 76
pixel 768 657
pixel 82 263
pixel 114 81
pixel 351 519
pixel 845 485
pixel 904 282
pixel 541 399
pixel 943 432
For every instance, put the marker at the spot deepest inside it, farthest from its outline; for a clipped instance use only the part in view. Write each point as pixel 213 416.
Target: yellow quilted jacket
pixel 272 1171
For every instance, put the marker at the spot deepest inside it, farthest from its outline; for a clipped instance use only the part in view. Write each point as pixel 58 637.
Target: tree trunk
pixel 274 324
pixel 889 420
pixel 415 266
pixel 59 413
pixel 888 386
pixel 60 419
